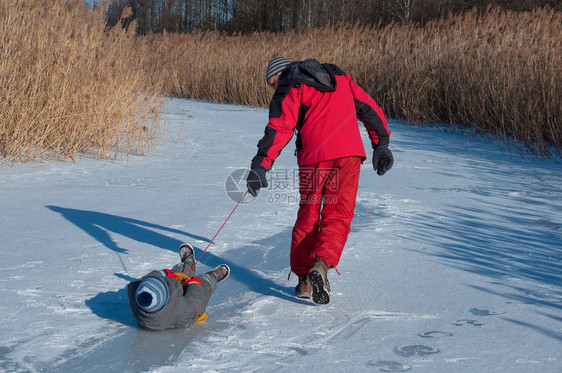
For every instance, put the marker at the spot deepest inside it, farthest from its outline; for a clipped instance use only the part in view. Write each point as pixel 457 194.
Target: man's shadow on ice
pixel 114 305
pixel 99 225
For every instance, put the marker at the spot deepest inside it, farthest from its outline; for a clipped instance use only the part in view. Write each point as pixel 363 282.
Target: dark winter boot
pixel 318 277
pixel 210 279
pixel 187 256
pixel 221 272
pixel 304 288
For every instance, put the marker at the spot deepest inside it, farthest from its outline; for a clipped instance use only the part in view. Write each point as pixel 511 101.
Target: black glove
pixel 382 159
pixel 256 179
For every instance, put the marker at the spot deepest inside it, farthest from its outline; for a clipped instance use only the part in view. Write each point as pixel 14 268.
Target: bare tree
pixel 403 9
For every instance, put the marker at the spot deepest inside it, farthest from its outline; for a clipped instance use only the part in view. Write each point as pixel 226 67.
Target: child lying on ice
pixel 175 298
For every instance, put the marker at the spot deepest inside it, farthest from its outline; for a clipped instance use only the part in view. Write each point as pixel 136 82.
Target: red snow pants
pixel 328 191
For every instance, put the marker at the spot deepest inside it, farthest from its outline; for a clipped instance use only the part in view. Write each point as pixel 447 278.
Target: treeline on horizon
pixel 246 16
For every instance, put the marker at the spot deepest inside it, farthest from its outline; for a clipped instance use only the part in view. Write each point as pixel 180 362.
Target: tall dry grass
pixel 499 73
pixel 68 87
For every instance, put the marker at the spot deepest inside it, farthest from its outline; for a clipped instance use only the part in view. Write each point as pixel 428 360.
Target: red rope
pixel 223 224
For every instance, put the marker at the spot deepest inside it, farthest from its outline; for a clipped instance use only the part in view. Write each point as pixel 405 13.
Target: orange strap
pixel 185 281
pixel 202 318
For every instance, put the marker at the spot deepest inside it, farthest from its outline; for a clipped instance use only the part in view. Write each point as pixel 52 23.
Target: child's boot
pixel 187 256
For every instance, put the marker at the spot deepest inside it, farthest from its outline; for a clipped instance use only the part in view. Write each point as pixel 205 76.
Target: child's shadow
pixel 113 305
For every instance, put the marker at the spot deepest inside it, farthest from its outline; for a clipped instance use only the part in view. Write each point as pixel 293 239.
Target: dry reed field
pixel 499 73
pixel 68 87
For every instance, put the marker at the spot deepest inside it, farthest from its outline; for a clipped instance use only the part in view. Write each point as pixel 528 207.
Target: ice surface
pixel 453 263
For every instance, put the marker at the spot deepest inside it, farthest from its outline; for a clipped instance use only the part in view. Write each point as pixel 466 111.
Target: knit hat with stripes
pixel 152 294
pixel 275 66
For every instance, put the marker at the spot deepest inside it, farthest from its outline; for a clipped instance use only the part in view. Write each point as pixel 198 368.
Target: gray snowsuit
pixel 183 307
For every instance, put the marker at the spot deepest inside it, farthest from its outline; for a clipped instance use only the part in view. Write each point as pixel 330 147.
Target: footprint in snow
pixel 477 312
pixel 414 350
pixel 299 350
pixel 388 366
pixel 469 322
pixel 435 334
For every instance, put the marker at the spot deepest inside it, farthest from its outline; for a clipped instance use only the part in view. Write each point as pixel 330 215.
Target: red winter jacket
pixel 322 104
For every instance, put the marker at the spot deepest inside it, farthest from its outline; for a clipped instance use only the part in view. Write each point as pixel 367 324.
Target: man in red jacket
pixel 321 104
